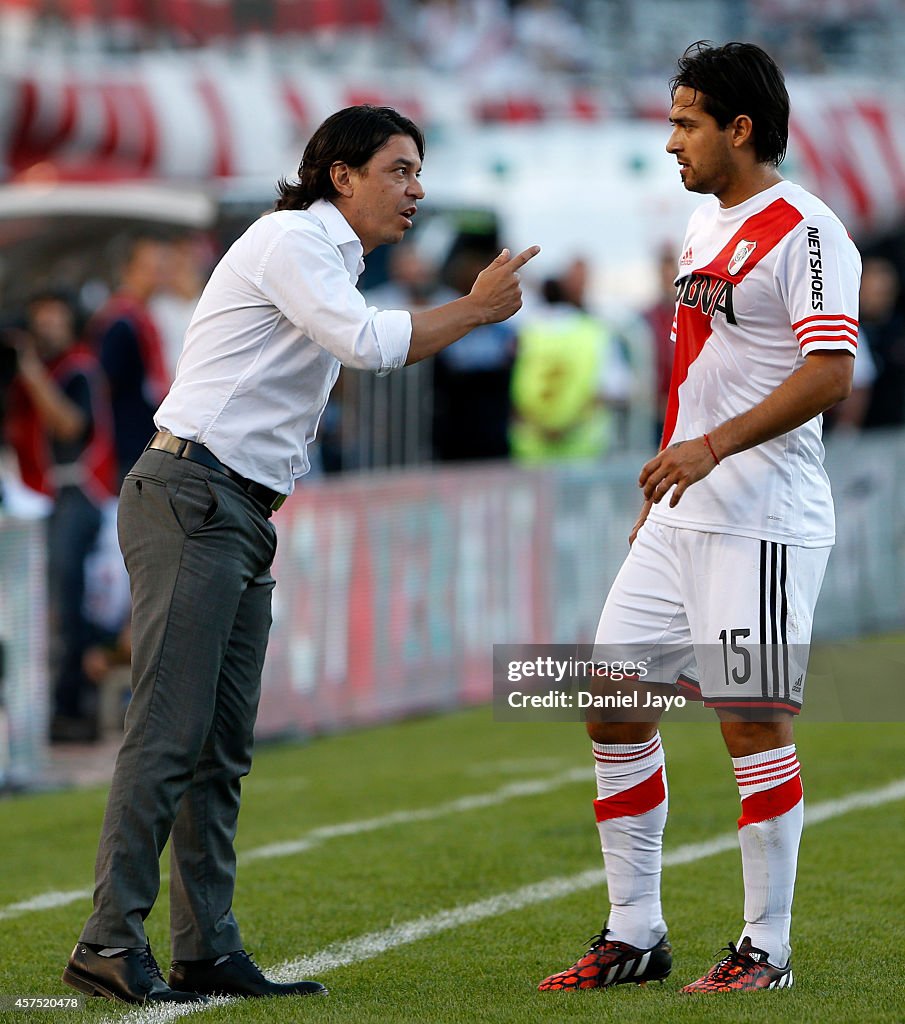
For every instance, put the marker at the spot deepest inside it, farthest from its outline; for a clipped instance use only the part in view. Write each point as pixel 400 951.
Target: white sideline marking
pixel 45 901
pixel 512 766
pixel 477 801
pixel 373 944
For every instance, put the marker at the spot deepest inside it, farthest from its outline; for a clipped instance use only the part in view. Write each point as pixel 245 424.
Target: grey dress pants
pixel 198 550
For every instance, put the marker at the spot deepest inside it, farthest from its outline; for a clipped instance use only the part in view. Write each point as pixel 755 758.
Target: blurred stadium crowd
pixel 610 39
pixel 85 359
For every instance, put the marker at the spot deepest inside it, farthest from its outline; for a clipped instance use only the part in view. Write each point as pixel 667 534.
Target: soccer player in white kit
pixel 729 552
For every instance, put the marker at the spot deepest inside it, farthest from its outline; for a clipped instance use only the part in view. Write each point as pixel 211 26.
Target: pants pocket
pixel 194 503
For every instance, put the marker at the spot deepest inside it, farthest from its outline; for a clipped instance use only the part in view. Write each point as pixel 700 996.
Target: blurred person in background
pixel 59 424
pixel 455 35
pixel 717 593
pixel 882 326
pixel 17 499
pixel 849 416
pixel 185 269
pixel 279 316
pixel 570 376
pixel 131 349
pixel 472 378
pixel 9 361
pixel 550 38
pixel 413 282
pixel 660 317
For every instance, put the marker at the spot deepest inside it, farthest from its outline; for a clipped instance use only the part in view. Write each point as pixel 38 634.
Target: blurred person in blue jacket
pixel 472 378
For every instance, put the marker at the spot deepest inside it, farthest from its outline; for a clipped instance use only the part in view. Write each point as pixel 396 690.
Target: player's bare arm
pixel 495 296
pixel 823 380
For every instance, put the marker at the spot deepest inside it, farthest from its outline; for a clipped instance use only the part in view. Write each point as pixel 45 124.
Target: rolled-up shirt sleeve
pixel 393 329
pixel 302 273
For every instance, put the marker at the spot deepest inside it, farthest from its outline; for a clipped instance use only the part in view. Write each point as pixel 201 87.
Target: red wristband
pixel 710 447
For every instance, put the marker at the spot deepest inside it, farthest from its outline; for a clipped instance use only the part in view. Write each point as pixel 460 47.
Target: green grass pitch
pixel 418 848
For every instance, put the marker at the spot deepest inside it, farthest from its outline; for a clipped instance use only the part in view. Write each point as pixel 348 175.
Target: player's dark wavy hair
pixel 739 78
pixel 350 136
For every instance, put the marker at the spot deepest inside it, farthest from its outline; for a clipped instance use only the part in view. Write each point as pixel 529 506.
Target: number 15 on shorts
pixel 736 657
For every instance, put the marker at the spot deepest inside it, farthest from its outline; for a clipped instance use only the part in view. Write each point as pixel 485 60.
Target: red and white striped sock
pixel 769 832
pixel 631 806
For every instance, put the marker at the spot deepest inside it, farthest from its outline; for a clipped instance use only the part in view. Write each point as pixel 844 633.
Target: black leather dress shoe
pixel 235 974
pixel 129 975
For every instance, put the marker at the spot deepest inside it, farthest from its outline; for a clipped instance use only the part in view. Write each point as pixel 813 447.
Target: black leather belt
pixel 194 452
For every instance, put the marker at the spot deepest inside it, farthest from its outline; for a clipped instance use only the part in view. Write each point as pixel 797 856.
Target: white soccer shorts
pixel 726 618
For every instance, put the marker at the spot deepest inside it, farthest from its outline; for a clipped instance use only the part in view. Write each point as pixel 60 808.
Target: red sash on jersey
pixel 693 324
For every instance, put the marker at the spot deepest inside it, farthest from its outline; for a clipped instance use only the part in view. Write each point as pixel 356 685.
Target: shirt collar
pixel 342 233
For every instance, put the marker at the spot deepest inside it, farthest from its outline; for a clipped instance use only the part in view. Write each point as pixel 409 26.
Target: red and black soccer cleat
pixel 743 970
pixel 609 962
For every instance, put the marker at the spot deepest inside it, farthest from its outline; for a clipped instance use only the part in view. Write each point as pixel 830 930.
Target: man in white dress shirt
pixel 278 317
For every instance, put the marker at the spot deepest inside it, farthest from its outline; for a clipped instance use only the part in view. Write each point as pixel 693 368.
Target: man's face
pixel 52 325
pixel 703 149
pixel 384 193
pixel 144 273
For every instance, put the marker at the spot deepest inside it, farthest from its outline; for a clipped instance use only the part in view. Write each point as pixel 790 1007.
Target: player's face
pixel 703 149
pixel 385 193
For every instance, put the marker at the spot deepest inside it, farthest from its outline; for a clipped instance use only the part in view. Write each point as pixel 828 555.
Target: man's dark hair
pixel 53 293
pixel 739 78
pixel 350 136
pixel 63 295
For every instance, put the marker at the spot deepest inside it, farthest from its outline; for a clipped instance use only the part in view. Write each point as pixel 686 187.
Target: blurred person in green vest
pixel 571 379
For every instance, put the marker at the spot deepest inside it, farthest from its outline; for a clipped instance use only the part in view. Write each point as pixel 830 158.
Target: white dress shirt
pixel 277 318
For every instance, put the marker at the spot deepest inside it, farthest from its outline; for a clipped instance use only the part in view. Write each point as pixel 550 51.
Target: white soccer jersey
pixel 760 286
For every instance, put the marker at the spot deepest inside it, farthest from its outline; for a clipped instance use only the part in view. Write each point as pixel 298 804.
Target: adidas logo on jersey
pixel 687 258
pixel 742 251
